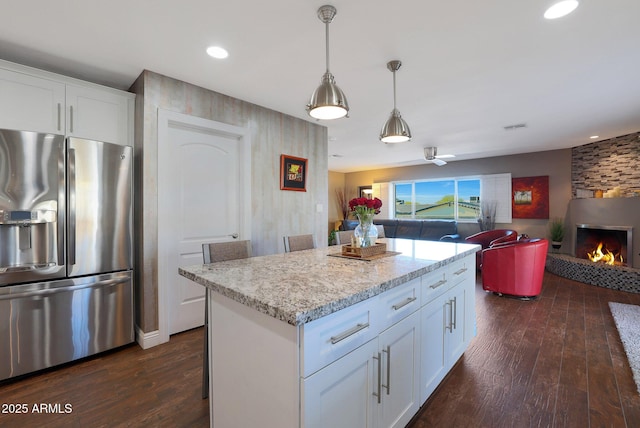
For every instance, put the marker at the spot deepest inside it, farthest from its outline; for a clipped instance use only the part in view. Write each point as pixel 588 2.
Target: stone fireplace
pixel 597 167
pixel 569 263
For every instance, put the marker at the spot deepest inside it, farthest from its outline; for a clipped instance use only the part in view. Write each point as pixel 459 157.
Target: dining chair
pixel 299 242
pixel 343 237
pixel 213 253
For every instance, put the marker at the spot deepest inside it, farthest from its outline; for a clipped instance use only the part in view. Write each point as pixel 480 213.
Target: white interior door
pixel 201 198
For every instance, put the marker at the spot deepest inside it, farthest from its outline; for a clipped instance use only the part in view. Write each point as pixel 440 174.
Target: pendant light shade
pixel 395 130
pixel 327 101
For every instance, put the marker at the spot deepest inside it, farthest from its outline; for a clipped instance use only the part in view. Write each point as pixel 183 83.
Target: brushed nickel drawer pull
pixel 455 313
pixel 388 385
pixel 404 303
pixel 350 332
pixel 438 284
pixel 379 393
pixel 460 272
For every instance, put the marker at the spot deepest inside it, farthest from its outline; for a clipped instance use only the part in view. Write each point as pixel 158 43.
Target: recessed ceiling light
pixel 561 8
pixel 217 52
pixel 593 137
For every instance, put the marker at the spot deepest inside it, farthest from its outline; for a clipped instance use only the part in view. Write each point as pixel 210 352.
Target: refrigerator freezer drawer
pixel 46 324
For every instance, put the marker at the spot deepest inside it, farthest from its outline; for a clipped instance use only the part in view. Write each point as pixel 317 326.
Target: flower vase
pixel 366 232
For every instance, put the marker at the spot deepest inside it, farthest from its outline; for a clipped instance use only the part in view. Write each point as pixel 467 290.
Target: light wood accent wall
pixel 275 212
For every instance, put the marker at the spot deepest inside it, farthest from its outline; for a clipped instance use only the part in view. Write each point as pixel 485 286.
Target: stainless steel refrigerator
pixel 66 227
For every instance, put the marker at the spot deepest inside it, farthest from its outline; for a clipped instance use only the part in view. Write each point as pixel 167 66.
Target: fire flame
pixel 605 256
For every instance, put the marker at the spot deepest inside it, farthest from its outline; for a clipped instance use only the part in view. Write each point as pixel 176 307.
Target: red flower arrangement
pixel 365 205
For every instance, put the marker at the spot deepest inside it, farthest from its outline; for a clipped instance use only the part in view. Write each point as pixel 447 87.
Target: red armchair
pixel 515 268
pixel 488 238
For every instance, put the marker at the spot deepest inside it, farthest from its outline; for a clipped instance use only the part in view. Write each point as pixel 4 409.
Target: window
pixel 449 199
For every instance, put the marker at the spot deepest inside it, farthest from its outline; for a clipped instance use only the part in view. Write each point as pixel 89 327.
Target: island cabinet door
pixel 341 395
pixel 455 324
pixel 400 383
pixel 447 325
pixel 433 319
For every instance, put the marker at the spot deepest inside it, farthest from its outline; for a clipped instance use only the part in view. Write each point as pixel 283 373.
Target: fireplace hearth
pixel 602 275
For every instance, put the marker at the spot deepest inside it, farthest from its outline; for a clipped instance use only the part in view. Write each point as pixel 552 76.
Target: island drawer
pixel 398 303
pixel 328 338
pixel 434 284
pixel 463 269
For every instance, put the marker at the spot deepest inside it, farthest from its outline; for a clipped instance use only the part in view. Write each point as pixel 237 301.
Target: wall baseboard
pixel 147 340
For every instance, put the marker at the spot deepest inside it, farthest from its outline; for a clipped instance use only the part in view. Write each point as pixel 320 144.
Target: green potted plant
pixel 556 232
pixel 332 238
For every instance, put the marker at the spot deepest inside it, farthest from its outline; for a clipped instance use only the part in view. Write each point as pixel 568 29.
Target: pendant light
pixel 327 101
pixel 395 130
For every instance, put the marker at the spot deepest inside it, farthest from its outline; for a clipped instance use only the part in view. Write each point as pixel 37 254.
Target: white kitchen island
pixel 305 339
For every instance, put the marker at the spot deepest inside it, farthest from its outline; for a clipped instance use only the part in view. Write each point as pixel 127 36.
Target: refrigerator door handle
pixel 71 255
pixel 61 212
pixel 49 291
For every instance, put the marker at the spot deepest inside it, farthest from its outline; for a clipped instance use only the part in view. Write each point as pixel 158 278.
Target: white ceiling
pixel 470 68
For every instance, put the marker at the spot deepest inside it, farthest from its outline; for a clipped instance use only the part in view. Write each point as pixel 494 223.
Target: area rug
pixel 627 318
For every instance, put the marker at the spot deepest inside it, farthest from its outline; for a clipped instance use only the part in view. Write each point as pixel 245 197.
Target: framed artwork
pixel 293 173
pixel 530 197
pixel 365 192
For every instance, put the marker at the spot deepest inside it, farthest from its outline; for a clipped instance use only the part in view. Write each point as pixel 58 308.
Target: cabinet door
pixel 30 103
pixel 432 346
pixel 341 394
pixel 455 324
pixel 97 114
pixel 400 350
pixel 469 310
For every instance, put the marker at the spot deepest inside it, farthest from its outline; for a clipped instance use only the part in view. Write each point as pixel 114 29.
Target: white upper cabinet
pixel 96 115
pixel 35 100
pixel 29 103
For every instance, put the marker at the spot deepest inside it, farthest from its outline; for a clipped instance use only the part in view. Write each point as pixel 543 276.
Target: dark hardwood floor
pixel 553 362
pixel 127 387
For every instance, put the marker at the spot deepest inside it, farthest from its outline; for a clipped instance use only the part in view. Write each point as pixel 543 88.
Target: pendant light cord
pixel 326 24
pixel 394 90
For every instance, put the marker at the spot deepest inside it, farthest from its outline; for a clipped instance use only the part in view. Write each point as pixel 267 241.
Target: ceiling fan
pixel 431 155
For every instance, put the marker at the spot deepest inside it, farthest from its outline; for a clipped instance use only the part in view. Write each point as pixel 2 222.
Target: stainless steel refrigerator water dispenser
pixel 28 240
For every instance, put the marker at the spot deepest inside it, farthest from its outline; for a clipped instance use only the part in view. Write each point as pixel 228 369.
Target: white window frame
pixel 493 187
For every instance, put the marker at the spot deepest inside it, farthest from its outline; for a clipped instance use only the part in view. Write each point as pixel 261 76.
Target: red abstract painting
pixel 530 197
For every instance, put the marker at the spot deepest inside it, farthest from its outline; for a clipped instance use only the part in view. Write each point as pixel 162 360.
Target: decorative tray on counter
pixel 364 252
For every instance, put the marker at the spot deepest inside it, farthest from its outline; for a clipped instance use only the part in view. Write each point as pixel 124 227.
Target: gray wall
pixel 275 212
pixel 555 163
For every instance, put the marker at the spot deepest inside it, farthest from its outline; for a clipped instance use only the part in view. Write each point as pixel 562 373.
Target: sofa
pixel 426 230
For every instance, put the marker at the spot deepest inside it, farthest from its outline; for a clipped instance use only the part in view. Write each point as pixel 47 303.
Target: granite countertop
pixel 302 286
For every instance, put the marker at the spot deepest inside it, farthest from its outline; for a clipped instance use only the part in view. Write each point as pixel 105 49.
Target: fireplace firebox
pixel 605 244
